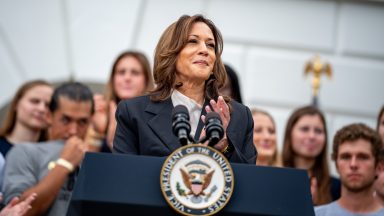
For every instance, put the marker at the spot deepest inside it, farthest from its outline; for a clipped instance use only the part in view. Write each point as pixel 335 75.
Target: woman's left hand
pixel 221 107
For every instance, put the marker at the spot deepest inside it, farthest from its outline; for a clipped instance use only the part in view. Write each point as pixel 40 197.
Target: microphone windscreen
pixel 212 115
pixel 180 109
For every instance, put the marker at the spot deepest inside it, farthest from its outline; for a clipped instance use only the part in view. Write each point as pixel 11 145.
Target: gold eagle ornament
pixel 317 67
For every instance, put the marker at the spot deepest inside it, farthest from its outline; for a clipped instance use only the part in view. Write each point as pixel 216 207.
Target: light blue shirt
pixel 335 209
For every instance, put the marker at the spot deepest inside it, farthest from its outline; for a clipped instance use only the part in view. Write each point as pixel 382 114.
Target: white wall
pixel 266 41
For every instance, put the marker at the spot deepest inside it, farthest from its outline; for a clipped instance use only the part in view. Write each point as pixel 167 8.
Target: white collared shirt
pixel 193 107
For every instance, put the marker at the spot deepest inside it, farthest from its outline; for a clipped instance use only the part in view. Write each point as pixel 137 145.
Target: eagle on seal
pixel 197 176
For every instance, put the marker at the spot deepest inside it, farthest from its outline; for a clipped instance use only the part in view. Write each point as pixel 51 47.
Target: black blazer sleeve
pixel 125 139
pixel 240 135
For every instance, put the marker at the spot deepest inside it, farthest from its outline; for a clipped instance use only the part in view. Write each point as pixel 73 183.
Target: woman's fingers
pixel 203 118
pixel 223 106
pixel 220 107
pixel 208 109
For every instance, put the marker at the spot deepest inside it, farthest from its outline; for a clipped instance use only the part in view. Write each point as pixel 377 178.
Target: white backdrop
pixel 266 41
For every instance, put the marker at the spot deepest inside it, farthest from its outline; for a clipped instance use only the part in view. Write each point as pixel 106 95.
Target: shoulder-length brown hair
pixel 320 169
pixel 11 116
pixel 111 94
pixel 172 41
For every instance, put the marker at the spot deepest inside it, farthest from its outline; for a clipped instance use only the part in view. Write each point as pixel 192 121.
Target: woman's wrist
pixel 223 144
pixel 226 148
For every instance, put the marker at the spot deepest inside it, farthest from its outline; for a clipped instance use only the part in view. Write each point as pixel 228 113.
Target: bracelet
pixel 66 164
pixel 225 150
pixel 62 162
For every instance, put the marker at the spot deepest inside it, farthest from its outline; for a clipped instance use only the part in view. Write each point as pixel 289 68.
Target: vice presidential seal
pixel 196 180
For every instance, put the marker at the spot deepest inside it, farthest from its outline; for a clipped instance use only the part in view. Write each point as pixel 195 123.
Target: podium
pixel 120 184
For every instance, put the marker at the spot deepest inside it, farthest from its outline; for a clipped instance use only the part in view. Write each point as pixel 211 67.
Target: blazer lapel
pixel 200 125
pixel 161 123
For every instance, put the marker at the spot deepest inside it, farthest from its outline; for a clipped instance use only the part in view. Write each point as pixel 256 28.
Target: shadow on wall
pixel 95 87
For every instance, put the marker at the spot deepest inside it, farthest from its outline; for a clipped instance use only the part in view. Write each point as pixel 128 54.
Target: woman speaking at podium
pixel 187 70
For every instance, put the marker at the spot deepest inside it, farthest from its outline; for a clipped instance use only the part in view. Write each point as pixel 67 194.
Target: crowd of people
pixel 48 130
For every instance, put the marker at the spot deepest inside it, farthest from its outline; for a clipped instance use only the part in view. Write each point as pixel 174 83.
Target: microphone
pixel 180 124
pixel 213 128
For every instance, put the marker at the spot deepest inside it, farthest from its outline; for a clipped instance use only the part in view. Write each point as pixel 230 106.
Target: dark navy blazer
pixel 144 127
